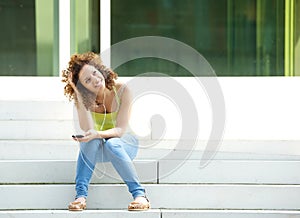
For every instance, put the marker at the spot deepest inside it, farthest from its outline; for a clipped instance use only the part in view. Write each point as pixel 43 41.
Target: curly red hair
pixel 76 63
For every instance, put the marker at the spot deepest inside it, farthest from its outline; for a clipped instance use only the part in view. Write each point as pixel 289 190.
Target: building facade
pixel 237 37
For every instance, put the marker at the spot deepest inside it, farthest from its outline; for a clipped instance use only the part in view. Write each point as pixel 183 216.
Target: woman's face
pixel 91 79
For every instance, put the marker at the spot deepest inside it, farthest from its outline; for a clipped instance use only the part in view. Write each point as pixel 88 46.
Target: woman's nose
pixel 95 80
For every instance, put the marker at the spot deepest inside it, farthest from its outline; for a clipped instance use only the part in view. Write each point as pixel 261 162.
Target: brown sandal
pixel 77 206
pixel 137 206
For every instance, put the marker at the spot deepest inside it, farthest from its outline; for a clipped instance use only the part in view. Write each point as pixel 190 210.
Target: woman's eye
pixel 88 81
pixel 94 73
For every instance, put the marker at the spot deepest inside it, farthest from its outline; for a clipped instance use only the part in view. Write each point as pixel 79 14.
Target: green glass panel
pixel 238 38
pixel 85 26
pixel 297 38
pixel 17 38
pixel 28 40
pixel 46 13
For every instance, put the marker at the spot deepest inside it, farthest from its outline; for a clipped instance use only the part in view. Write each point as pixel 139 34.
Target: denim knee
pixel 91 150
pixel 121 148
pixel 114 148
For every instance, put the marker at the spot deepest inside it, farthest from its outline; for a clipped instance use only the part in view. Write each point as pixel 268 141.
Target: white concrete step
pixel 153 213
pixel 36 129
pixel 31 88
pixel 67 149
pixel 40 119
pixel 36 110
pixel 229 214
pixel 86 213
pixel 51 172
pixel 108 196
pixel 38 149
pixel 278 117
pixel 229 172
pixel 156 171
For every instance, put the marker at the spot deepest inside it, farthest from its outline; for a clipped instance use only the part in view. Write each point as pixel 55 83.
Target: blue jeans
pixel 119 151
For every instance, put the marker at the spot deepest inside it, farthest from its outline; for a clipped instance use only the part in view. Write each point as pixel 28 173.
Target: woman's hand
pixel 76 92
pixel 88 136
pixel 70 80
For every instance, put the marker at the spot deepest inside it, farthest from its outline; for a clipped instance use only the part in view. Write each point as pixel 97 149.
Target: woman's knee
pixel 90 147
pixel 119 147
pixel 113 144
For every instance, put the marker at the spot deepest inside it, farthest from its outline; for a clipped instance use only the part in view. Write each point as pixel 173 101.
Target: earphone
pixel 102 153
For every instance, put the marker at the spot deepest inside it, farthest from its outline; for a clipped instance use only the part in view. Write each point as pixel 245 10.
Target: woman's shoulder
pixel 121 86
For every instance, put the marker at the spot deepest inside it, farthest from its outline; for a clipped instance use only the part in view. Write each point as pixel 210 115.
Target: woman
pixel 103 108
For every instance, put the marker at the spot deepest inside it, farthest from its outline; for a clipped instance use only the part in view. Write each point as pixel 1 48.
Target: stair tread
pixel 11 149
pixel 156 170
pixel 152 213
pixel 172 196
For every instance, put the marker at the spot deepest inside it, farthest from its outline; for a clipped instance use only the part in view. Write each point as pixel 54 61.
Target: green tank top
pixel 108 120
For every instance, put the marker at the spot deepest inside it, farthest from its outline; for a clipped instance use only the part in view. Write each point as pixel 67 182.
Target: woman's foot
pixel 140 203
pixel 78 205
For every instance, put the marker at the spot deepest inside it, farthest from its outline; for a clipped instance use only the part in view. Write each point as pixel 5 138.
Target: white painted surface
pixel 31 88
pixel 230 150
pixel 153 213
pixel 109 196
pixel 36 110
pixel 64 33
pixel 152 171
pixel 51 172
pixel 105 31
pixel 86 214
pixel 229 214
pixel 43 149
pixel 230 172
pixel 260 146
pixel 37 129
pixel 257 108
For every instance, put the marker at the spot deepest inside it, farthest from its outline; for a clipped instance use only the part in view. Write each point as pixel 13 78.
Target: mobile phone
pixel 78 136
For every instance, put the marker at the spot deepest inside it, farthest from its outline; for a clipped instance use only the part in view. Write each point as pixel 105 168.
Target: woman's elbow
pixel 85 128
pixel 119 132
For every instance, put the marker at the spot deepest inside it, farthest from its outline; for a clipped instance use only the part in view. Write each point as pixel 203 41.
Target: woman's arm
pixel 84 116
